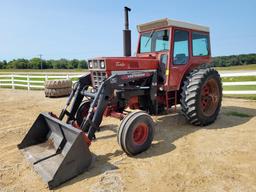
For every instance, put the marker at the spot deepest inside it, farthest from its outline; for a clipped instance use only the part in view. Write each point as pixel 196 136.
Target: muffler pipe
pixel 126 34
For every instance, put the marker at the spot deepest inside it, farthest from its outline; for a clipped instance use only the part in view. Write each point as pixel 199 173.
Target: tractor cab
pixel 178 46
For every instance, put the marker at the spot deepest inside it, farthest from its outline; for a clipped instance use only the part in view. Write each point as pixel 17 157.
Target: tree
pixel 48 64
pixel 60 64
pixel 35 63
pixel 18 64
pixel 83 64
pixel 242 59
pixel 73 64
pixel 2 65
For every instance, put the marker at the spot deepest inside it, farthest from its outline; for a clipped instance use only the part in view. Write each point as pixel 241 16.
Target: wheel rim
pixel 209 97
pixel 83 112
pixel 140 134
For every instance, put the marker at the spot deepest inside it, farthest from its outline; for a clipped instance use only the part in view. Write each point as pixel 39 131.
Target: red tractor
pixel 171 67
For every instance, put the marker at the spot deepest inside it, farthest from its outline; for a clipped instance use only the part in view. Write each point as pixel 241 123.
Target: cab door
pixel 179 56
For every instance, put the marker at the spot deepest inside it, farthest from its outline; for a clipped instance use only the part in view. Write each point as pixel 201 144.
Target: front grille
pixel 97 78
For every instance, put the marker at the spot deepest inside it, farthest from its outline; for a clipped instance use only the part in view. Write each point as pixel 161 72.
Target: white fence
pixel 239 74
pixel 31 81
pixel 37 81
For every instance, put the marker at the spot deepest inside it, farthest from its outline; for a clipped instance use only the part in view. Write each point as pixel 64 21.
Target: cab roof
pixel 170 22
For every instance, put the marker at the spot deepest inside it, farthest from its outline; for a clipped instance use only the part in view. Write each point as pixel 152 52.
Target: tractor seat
pixel 180 59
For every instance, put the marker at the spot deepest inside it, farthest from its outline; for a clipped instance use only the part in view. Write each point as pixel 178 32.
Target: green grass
pixel 237 114
pixel 20 88
pixel 239 67
pixel 44 70
pixel 240 88
pixel 251 97
pixel 238 79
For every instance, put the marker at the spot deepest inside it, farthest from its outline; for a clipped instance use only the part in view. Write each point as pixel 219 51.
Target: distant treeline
pixel 37 63
pixel 232 60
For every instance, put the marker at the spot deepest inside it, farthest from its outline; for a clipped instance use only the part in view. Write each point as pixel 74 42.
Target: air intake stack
pixel 127 33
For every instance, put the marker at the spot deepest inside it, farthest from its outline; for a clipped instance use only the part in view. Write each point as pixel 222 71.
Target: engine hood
pixel 123 63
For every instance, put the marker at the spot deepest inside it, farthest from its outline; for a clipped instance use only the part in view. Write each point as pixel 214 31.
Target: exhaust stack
pixel 126 33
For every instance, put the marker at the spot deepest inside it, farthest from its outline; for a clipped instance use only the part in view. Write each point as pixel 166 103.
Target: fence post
pixel 13 87
pixel 45 78
pixel 67 76
pixel 28 82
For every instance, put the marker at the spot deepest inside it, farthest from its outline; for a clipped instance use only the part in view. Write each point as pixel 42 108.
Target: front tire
pixel 136 133
pixel 201 96
pixel 82 112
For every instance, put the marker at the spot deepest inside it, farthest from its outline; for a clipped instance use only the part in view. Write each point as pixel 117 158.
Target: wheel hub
pixel 82 112
pixel 140 134
pixel 209 97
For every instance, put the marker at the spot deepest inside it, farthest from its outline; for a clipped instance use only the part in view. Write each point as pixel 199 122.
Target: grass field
pixel 240 88
pixel 251 97
pixel 43 71
pixel 240 67
pixel 239 79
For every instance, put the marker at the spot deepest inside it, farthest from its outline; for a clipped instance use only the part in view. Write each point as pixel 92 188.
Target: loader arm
pixel 76 98
pixel 105 92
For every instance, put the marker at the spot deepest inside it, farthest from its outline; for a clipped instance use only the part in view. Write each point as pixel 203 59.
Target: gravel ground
pixel 219 157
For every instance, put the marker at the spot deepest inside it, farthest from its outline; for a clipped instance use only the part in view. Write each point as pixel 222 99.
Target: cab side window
pixel 200 44
pixel 181 47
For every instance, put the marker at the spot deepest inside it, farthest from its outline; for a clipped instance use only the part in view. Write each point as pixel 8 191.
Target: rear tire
pixel 136 133
pixel 201 96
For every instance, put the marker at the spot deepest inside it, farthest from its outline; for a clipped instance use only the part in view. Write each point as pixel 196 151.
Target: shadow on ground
pixel 169 128
pixel 172 127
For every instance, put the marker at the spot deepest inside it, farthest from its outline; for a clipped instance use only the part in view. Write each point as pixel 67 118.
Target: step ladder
pixel 169 98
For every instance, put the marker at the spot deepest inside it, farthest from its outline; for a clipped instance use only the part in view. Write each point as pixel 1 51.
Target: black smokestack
pixel 126 33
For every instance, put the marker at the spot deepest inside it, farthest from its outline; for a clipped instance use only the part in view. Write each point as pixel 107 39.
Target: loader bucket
pixel 56 150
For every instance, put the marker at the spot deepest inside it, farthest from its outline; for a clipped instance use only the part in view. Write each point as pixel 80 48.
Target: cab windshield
pixel 154 41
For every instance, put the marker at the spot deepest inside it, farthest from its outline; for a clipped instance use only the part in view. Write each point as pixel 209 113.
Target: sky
pixel 83 29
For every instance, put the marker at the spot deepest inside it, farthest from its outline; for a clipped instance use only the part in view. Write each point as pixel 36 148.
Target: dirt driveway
pixel 219 157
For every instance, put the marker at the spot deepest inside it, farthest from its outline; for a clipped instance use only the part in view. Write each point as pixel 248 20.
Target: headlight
pixel 90 64
pixel 102 64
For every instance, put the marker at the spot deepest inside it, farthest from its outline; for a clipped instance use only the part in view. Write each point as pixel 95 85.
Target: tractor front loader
pixel 60 151
pixel 171 67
